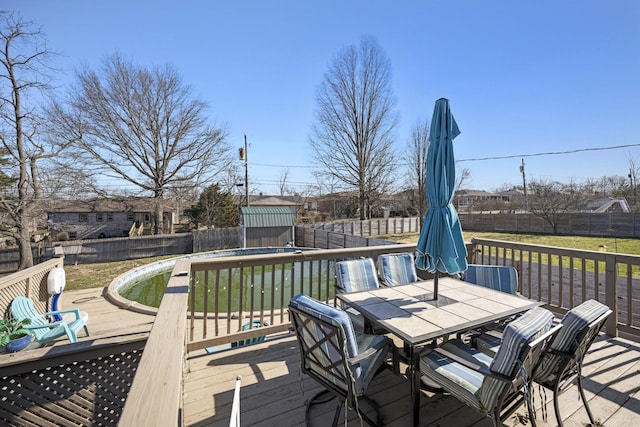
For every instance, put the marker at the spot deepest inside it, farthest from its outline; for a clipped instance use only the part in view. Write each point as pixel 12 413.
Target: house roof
pixel 604 205
pixel 273 201
pixel 267 216
pixel 116 204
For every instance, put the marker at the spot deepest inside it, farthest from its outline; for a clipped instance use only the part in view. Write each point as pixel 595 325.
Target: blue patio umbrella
pixel 441 246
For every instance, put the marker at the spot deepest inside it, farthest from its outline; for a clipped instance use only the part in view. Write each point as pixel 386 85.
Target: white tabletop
pixel 410 312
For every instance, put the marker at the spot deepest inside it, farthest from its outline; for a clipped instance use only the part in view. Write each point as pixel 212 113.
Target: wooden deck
pixel 274 393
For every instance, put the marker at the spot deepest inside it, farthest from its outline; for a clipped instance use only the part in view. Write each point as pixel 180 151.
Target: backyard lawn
pixel 625 246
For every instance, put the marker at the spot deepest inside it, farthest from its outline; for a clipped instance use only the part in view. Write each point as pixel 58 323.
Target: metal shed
pixel 267 226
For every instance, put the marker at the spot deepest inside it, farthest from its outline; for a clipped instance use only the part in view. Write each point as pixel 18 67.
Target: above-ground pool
pixel 142 289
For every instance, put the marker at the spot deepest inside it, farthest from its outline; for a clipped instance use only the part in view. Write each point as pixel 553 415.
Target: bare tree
pixel 416 158
pixel 282 182
pixel 634 171
pixel 24 63
pixel 355 117
pixel 549 199
pixel 143 126
pixel 462 176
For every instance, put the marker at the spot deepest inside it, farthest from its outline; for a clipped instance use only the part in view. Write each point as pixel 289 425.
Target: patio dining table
pixel 412 314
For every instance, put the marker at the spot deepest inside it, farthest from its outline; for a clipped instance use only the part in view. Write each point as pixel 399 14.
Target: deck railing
pixel 563 278
pixel 229 294
pixel 31 283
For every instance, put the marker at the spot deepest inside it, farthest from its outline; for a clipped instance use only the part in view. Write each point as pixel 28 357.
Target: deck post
pixel 611 294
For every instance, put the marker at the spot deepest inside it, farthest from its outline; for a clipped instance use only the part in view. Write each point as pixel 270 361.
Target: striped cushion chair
pixel 487 384
pixel 397 269
pixel 498 277
pixel 562 363
pixel 356 275
pixel 335 356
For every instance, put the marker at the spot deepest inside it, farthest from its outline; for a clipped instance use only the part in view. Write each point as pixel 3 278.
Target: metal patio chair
pixel 499 277
pixel 356 275
pixel 338 358
pixel 562 363
pixel 494 386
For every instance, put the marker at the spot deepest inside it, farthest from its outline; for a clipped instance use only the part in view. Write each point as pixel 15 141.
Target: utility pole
pixel 524 187
pixel 632 178
pixel 244 155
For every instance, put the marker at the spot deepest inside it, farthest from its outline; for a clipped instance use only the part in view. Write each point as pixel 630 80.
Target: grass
pixel 85 276
pixel 624 246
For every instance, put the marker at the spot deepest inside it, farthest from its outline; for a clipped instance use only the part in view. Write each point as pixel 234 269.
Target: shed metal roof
pixel 267 216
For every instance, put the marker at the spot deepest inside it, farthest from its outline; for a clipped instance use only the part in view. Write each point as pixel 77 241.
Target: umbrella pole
pixel 435 285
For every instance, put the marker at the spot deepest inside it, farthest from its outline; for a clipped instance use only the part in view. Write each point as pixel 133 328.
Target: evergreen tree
pixel 215 209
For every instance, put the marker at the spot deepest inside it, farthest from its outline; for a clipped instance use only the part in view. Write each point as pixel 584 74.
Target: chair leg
pixel 322 397
pixel 326 396
pixel 374 406
pixel 584 400
pixel 556 407
pixel 531 410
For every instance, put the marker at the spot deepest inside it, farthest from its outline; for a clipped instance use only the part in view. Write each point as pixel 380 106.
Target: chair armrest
pixel 66 310
pixel 370 351
pixel 374 349
pixel 48 325
pixel 362 356
pixel 562 354
pixel 474 366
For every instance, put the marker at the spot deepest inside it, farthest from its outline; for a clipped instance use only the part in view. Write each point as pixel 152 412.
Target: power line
pixel 511 156
pixel 550 153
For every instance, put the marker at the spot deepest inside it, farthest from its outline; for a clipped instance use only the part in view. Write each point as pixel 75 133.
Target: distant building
pixel 104 217
pixel 468 200
pixel 264 226
pixel 608 206
pixel 281 202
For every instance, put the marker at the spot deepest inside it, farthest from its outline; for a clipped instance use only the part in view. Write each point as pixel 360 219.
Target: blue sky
pixel 522 77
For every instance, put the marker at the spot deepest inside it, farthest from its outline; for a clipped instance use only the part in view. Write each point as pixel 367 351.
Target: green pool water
pixel 270 290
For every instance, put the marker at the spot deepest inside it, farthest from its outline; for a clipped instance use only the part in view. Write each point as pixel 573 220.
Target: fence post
pixel 611 293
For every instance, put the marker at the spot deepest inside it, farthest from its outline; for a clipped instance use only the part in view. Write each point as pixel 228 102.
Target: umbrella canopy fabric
pixel 441 245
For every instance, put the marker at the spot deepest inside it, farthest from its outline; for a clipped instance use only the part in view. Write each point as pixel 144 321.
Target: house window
pixel 147 218
pixel 99 217
pixel 73 235
pixel 110 216
pixel 83 217
pixel 129 216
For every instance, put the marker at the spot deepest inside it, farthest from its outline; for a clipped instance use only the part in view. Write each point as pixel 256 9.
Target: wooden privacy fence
pixel 372 227
pixel 615 224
